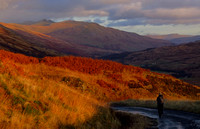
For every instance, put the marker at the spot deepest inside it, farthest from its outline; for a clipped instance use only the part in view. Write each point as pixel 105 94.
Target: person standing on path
pixel 160 104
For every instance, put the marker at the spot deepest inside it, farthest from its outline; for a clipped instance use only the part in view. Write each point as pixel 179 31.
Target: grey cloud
pixel 119 12
pixel 139 21
pixel 170 4
pixel 5 4
pixel 179 15
pixel 39 9
pixel 98 20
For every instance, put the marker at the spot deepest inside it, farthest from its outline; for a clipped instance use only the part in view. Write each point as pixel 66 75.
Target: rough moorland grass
pixel 104 119
pixel 38 100
pixel 182 105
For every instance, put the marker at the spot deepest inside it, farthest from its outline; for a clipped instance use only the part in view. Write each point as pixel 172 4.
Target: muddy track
pixel 170 120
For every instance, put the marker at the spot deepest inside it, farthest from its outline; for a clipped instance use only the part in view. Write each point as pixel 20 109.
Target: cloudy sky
pixel 140 16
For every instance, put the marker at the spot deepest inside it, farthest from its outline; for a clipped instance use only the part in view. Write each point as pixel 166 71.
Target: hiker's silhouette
pixel 160 104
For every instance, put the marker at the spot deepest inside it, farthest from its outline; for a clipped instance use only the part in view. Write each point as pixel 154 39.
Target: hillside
pixel 99 76
pixel 92 34
pixel 61 92
pixel 49 45
pixel 182 61
pixel 95 36
pixel 11 41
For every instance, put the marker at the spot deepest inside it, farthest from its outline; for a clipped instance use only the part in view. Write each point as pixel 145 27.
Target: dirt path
pixel 171 119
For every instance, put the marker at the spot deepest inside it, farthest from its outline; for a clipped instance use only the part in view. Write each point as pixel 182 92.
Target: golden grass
pixel 39 101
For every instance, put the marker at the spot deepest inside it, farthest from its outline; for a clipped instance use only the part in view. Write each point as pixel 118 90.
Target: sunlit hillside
pixel 92 35
pixel 58 91
pixel 32 43
pixel 11 41
pixel 16 38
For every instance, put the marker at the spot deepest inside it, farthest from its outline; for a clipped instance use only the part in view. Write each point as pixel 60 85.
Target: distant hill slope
pixel 176 38
pixel 49 45
pixel 11 41
pixel 182 61
pixel 92 34
pixel 96 36
pixel 185 39
pixel 168 36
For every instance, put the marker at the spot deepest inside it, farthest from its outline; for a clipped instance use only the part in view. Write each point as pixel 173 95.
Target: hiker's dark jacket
pixel 160 103
pixel 160 100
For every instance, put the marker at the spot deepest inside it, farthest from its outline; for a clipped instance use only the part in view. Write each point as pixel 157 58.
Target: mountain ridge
pixel 41 22
pixel 92 35
pixel 59 47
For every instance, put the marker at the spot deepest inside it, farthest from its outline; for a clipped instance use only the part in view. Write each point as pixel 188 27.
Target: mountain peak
pixel 43 22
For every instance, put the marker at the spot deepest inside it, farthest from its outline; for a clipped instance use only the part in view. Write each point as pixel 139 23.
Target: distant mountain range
pixel 78 38
pixel 176 38
pixel 182 61
pixel 168 36
pixel 186 39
